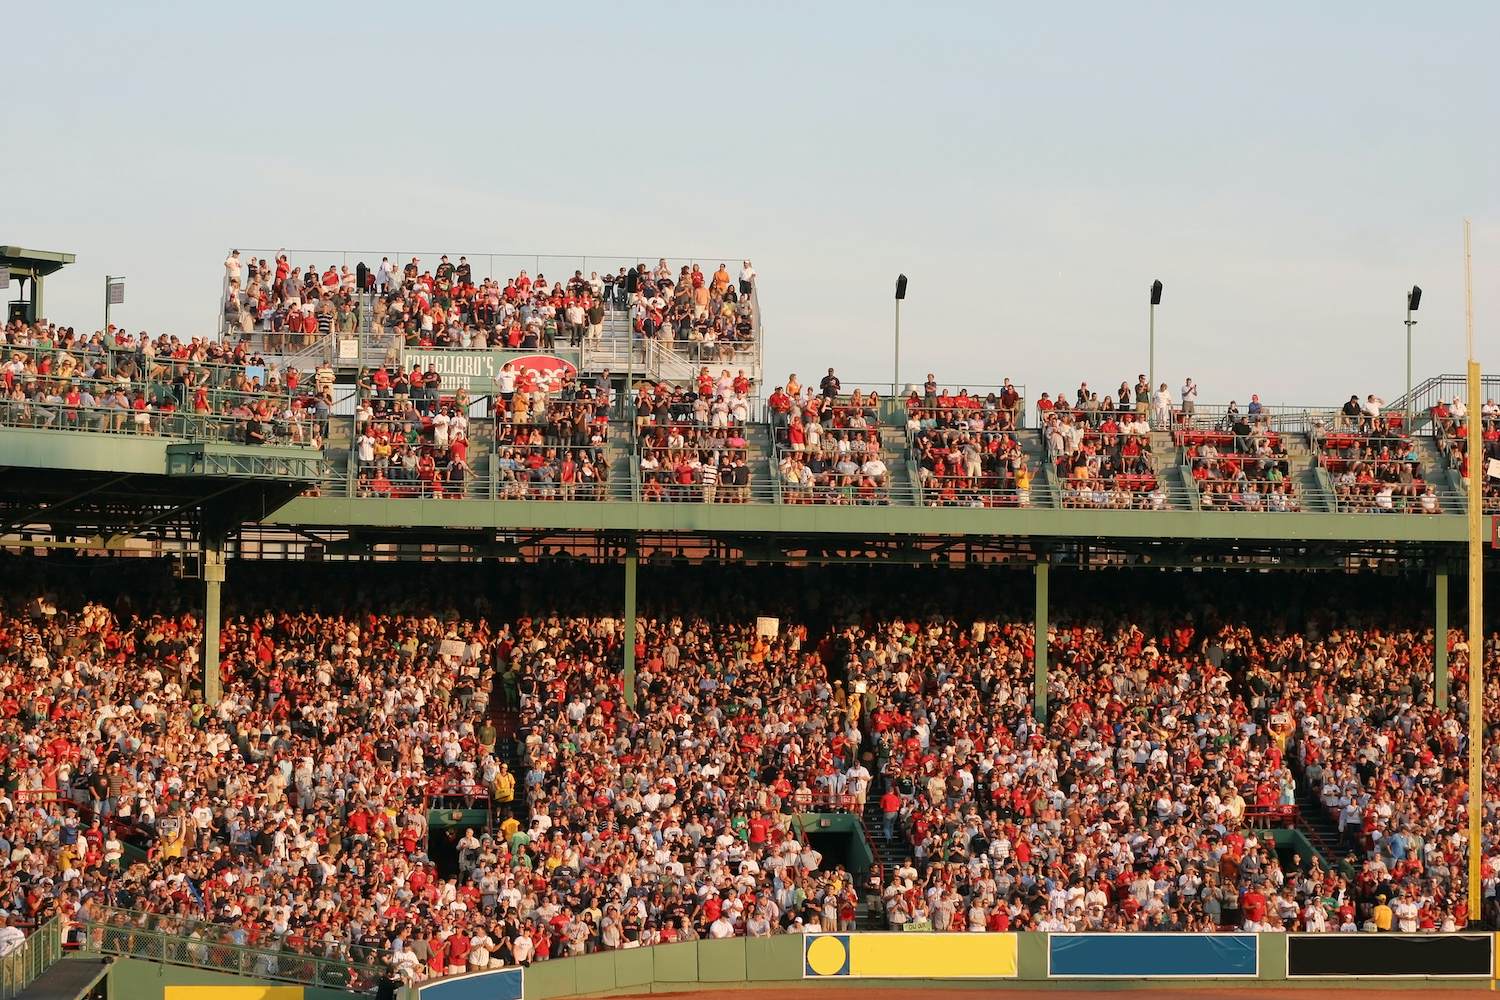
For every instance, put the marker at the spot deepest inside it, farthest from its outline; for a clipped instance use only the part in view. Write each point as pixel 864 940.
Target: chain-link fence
pixel 145 936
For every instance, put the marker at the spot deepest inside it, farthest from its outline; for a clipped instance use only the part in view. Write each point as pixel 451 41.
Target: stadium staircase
pixel 338 449
pixel 1316 825
pixel 1314 491
pixel 758 452
pixel 890 852
pixel 896 452
pixel 509 739
pixel 619 458
pixel 1046 491
pixel 1448 484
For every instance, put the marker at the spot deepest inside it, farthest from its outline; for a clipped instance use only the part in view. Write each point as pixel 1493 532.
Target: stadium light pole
pixel 1475 462
pixel 896 368
pixel 1151 360
pixel 1413 300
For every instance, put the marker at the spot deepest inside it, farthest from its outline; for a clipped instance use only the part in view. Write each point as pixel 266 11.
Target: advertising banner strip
pixel 909 956
pixel 1326 956
pixel 497 984
pixel 476 370
pixel 1129 956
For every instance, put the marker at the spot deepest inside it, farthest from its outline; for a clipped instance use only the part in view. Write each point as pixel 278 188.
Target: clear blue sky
pixel 1288 170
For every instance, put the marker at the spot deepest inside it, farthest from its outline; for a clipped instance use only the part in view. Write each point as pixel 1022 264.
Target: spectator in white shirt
pixel 1162 415
pixel 1189 401
pixel 11 938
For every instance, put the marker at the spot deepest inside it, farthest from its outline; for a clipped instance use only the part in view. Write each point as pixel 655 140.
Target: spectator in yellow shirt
pixel 1382 914
pixel 504 786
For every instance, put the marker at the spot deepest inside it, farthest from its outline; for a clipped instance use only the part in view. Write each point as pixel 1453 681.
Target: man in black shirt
pixel 431 383
pixel 830 385
pixel 1350 413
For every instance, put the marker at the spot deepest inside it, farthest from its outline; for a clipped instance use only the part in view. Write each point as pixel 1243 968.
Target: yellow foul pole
pixel 1476 598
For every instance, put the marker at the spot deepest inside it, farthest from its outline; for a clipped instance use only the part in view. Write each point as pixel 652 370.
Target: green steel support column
pixel 213 579
pixel 1440 641
pixel 1039 657
pixel 628 677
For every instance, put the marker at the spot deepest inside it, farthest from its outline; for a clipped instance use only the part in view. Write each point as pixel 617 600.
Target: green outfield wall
pixel 1105 962
pixel 855 960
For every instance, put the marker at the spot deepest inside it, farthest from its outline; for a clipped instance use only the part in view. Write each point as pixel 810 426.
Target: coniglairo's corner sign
pixel 534 372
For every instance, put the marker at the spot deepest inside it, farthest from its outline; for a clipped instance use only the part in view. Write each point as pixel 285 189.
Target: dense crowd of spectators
pixel 1102 452
pixel 1373 461
pixel 709 316
pixel 965 446
pixel 690 439
pixel 1450 430
pixel 828 445
pixel 1241 463
pixel 413 434
pixel 295 813
pixel 545 441
pixel 111 381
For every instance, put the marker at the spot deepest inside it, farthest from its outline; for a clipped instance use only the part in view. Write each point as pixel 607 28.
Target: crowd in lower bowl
pixel 298 813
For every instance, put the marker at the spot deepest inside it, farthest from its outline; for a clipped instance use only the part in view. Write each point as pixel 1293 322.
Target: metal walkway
pixel 68 979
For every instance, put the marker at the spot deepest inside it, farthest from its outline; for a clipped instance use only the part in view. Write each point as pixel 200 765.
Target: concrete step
pixel 1310 492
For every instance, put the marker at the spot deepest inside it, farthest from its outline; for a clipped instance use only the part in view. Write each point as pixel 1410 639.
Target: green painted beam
pixel 24 448
pixel 1440 640
pixel 213 582
pixel 627 677
pixel 1041 687
pixel 866 521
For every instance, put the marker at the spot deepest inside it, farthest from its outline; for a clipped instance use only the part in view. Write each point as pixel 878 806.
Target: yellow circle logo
pixel 826 955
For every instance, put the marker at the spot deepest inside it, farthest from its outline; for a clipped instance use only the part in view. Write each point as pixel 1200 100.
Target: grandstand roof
pixel 34 263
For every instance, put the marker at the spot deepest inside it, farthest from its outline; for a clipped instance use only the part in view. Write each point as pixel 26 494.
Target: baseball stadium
pixel 1045 556
pixel 503 638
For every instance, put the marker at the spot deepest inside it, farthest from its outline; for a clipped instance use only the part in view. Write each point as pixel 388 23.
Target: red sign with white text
pixel 541 372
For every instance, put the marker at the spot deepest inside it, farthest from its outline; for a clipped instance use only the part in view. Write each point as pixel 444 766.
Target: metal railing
pixel 1440 388
pixel 1125 492
pixel 1374 499
pixel 831 486
pixel 897 408
pixel 962 491
pixel 1279 419
pixel 494 473
pixel 1251 495
pixel 1415 488
pixel 156 938
pixel 498 265
pixel 172 425
pixel 36 954
pixel 149 370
